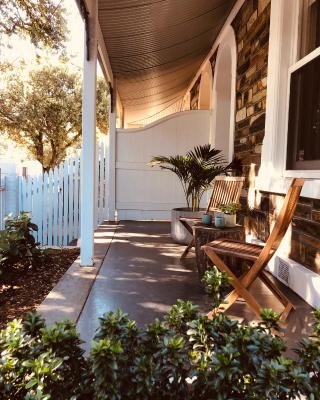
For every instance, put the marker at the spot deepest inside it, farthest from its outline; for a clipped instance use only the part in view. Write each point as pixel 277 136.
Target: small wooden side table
pixel 204 234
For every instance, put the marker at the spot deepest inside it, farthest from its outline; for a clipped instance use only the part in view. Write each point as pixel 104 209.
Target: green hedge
pixel 186 356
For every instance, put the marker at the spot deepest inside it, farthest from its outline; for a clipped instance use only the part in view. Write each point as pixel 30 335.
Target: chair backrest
pixel 280 228
pixel 226 189
pixel 286 214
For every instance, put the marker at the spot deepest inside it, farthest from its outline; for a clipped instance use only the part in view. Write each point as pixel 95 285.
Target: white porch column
pixel 112 156
pixel 87 188
pixel 282 54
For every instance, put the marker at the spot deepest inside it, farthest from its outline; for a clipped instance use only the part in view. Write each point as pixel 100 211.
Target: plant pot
pixel 230 220
pixel 179 234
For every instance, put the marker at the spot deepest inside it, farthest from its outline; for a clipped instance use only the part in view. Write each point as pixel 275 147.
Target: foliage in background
pixel 43 21
pixel 43 113
pixel 195 170
pixel 187 356
pixel 17 243
pixel 230 208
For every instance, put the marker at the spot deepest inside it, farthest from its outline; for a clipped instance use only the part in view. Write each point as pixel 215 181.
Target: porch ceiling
pixel 156 46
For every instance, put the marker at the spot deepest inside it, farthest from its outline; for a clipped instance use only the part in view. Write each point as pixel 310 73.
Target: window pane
pixel 310 39
pixel 304 118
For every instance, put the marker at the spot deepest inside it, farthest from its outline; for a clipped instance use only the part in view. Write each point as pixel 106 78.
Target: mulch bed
pixel 23 288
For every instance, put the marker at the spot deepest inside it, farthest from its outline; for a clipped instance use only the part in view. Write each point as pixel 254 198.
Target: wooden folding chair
pixel 258 256
pixel 225 190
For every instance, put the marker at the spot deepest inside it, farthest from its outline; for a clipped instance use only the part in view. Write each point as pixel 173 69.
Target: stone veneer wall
pixel 251 27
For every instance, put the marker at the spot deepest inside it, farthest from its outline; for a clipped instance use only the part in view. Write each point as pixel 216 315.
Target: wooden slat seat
pixel 233 248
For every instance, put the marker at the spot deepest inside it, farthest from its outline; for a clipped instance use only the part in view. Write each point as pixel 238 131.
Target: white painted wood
pixel 40 208
pixel 50 206
pixel 65 202
pixel 55 205
pixel 60 207
pixel 71 198
pixel 151 193
pixel 101 182
pixel 112 163
pixel 45 208
pixel 224 89
pixel 96 188
pixel 106 174
pixel 20 194
pixel 283 56
pixel 34 209
pixel 24 191
pixel 29 195
pixel 76 195
pixel 87 189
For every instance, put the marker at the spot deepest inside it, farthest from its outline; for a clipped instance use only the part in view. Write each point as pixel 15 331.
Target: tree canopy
pixel 41 20
pixel 43 112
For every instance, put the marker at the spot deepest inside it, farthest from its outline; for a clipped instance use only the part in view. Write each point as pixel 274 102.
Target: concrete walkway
pixel 142 274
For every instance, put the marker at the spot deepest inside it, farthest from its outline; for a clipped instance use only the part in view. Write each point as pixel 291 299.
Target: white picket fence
pixel 2 203
pixel 53 198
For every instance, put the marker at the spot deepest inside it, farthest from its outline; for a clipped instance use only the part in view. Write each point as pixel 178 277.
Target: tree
pixel 43 113
pixel 41 20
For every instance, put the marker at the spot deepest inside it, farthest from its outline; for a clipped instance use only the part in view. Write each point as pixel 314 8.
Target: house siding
pixel 251 27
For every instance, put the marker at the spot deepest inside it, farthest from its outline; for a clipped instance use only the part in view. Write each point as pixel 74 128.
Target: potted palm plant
pixel 195 170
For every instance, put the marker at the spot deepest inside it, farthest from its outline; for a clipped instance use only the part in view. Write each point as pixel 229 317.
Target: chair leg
pixel 227 303
pixel 274 289
pixel 187 249
pixel 235 282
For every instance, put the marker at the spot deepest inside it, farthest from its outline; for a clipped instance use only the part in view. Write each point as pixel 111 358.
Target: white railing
pixel 53 198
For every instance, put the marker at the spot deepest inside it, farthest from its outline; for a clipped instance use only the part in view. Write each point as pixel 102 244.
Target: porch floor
pixel 142 274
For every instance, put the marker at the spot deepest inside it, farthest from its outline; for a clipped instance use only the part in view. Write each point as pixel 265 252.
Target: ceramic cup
pixel 207 219
pixel 219 221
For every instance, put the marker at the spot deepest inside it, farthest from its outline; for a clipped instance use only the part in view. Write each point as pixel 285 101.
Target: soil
pixel 23 287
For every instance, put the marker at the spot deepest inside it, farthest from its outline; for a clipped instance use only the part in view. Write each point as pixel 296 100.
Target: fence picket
pixel 106 174
pixel 76 195
pixel 40 215
pixel 65 203
pixel 101 183
pixel 29 195
pixel 60 206
pixel 55 205
pixel 71 193
pixel 45 208
pixel 49 212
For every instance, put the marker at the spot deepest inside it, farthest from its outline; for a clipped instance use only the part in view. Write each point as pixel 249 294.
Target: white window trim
pixel 283 55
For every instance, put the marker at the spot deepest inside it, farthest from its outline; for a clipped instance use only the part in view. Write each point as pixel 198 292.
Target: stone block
pixel 259 95
pixel 250 111
pixel 262 4
pixel 257 123
pixel 241 114
pixel 303 211
pixel 252 20
pixel 316 217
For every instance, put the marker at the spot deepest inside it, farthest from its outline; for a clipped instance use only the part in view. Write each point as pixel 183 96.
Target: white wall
pixel 144 192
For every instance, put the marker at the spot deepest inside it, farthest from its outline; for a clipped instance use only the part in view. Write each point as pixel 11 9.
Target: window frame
pixel 295 67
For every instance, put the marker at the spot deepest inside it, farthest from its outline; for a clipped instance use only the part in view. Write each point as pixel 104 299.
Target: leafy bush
pixel 186 356
pixel 39 362
pixel 17 242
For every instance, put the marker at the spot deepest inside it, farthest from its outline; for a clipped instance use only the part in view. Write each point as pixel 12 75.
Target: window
pixel 310 35
pixel 303 151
